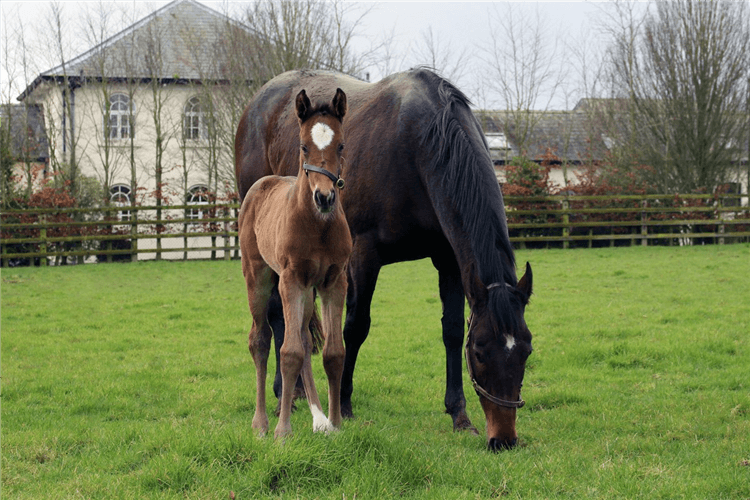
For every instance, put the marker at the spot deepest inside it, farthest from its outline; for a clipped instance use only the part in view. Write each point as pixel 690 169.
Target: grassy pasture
pixel 134 381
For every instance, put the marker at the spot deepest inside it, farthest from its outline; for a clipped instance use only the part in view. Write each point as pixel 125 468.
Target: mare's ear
pixel 339 104
pixel 525 284
pixel 303 105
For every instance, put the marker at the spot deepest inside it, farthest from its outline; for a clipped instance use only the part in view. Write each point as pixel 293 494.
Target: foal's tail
pixel 316 328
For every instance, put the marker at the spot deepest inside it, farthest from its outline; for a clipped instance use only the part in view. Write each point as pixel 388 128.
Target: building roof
pixel 172 32
pixel 28 135
pixel 571 136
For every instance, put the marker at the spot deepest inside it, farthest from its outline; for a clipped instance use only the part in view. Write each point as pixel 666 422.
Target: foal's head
pixel 321 142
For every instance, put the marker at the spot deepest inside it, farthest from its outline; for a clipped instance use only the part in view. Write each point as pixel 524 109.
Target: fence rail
pixel 54 235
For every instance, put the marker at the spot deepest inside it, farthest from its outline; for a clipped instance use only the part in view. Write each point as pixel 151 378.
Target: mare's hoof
pixel 462 423
pixel 346 410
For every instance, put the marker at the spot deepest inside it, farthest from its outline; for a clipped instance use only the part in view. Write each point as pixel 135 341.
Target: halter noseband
pixel 481 391
pixel 337 181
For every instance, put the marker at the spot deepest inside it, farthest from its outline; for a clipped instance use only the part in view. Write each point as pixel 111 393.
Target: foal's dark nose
pixel 324 202
pixel 496 444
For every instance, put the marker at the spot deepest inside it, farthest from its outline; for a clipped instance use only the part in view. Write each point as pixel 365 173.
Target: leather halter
pixel 481 391
pixel 337 180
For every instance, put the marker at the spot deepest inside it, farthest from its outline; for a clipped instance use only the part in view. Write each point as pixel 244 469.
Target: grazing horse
pixel 294 236
pixel 420 183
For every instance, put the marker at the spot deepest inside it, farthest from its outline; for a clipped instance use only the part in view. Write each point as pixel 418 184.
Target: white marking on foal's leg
pixel 322 135
pixel 320 421
pixel 510 342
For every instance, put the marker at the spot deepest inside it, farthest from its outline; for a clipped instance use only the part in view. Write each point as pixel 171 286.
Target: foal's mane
pixel 464 172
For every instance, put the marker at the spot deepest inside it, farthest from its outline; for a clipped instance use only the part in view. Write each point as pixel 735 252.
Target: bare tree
pixel 431 52
pixel 58 46
pixel 98 25
pixel 302 34
pixel 16 59
pixel 684 71
pixel 523 66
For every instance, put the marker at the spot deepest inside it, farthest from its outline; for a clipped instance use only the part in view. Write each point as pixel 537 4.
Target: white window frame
pixel 194 121
pixel 121 110
pixel 119 196
pixel 196 195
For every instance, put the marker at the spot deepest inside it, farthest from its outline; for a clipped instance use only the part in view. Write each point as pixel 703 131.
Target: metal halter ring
pixel 338 181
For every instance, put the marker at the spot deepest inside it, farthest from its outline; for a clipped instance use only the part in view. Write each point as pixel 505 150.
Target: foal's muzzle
pixel 324 203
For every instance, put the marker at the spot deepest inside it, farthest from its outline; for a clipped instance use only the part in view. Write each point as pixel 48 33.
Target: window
pixel 194 126
pixel 120 112
pixel 119 196
pixel 197 195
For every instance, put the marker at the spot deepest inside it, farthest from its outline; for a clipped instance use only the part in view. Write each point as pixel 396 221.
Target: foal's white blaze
pixel 320 421
pixel 322 135
pixel 510 342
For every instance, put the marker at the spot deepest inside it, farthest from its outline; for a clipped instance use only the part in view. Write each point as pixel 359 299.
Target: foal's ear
pixel 303 105
pixel 525 283
pixel 339 104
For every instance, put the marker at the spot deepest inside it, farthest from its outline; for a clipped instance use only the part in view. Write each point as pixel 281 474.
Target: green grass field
pixel 134 381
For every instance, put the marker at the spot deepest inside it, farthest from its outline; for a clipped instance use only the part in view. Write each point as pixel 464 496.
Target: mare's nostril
pixel 495 444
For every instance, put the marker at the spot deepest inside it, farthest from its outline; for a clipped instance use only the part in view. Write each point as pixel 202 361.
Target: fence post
pixel 722 226
pixel 134 236
pixel 226 234
pixel 43 237
pixel 109 216
pixel 566 221
pixel 644 227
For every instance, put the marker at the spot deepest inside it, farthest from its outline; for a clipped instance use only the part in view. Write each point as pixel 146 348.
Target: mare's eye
pixel 478 356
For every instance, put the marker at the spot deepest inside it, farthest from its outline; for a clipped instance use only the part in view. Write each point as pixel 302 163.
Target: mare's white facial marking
pixel 322 135
pixel 320 421
pixel 510 342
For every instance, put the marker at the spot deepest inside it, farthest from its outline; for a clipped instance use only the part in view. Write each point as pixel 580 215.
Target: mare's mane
pixel 466 177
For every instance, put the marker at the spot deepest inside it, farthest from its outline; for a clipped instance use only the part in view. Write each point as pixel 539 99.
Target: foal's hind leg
pixel 259 341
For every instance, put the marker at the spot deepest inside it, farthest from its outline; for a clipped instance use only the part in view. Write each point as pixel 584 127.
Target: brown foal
pixel 293 232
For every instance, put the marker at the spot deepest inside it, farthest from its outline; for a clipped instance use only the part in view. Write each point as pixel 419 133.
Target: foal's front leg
pixel 332 299
pixel 292 353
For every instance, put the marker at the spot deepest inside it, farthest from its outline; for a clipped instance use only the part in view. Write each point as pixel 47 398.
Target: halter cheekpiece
pixel 337 181
pixel 481 391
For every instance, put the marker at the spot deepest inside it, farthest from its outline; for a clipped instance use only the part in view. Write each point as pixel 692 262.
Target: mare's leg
pixel 452 297
pixel 292 353
pixel 332 299
pixel 259 283
pixel 362 272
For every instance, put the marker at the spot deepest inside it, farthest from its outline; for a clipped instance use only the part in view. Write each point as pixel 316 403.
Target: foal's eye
pixel 341 148
pixel 303 148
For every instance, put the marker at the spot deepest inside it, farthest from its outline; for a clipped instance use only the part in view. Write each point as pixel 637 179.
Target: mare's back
pixel 383 127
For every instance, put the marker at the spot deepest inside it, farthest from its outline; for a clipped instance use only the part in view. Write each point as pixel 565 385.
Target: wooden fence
pixel 42 236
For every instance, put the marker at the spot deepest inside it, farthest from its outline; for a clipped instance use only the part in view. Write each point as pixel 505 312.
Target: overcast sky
pixel 460 28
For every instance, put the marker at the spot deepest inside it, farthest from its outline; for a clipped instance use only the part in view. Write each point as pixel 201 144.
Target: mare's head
pixel 497 345
pixel 321 143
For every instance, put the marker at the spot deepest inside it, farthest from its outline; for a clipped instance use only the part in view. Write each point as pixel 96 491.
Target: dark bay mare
pixel 419 183
pixel 294 238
